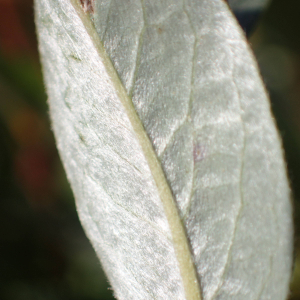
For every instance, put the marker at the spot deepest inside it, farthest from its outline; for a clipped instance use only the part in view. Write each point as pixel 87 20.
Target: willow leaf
pixel 166 135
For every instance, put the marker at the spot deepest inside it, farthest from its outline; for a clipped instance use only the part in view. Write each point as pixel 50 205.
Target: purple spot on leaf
pixel 199 152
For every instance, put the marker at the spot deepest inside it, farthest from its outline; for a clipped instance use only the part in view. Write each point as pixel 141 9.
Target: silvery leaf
pixel 165 132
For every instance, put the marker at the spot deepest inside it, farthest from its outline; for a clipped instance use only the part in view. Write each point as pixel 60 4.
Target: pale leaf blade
pixel 196 89
pixel 198 93
pixel 116 178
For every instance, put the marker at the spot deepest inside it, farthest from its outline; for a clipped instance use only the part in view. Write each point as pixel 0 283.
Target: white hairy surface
pixel 196 89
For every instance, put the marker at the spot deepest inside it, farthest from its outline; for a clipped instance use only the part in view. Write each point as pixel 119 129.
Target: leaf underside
pixel 166 135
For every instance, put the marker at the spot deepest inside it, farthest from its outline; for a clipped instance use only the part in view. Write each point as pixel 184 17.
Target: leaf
pixel 169 145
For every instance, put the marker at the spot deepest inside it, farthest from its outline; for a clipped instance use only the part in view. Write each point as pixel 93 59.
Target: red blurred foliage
pixel 34 172
pixel 34 159
pixel 14 39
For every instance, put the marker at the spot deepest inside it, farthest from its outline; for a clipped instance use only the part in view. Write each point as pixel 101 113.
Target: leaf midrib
pixel 180 241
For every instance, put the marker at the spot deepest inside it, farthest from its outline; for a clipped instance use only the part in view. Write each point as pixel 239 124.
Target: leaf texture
pixel 170 147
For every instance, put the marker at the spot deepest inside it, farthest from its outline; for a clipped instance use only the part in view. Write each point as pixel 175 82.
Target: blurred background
pixel 44 253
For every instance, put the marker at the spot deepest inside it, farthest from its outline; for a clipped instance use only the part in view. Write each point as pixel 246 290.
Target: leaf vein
pixel 239 213
pixel 131 212
pixel 138 53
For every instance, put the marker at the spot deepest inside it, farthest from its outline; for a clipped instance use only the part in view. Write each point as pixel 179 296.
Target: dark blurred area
pixel 276 43
pixel 44 253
